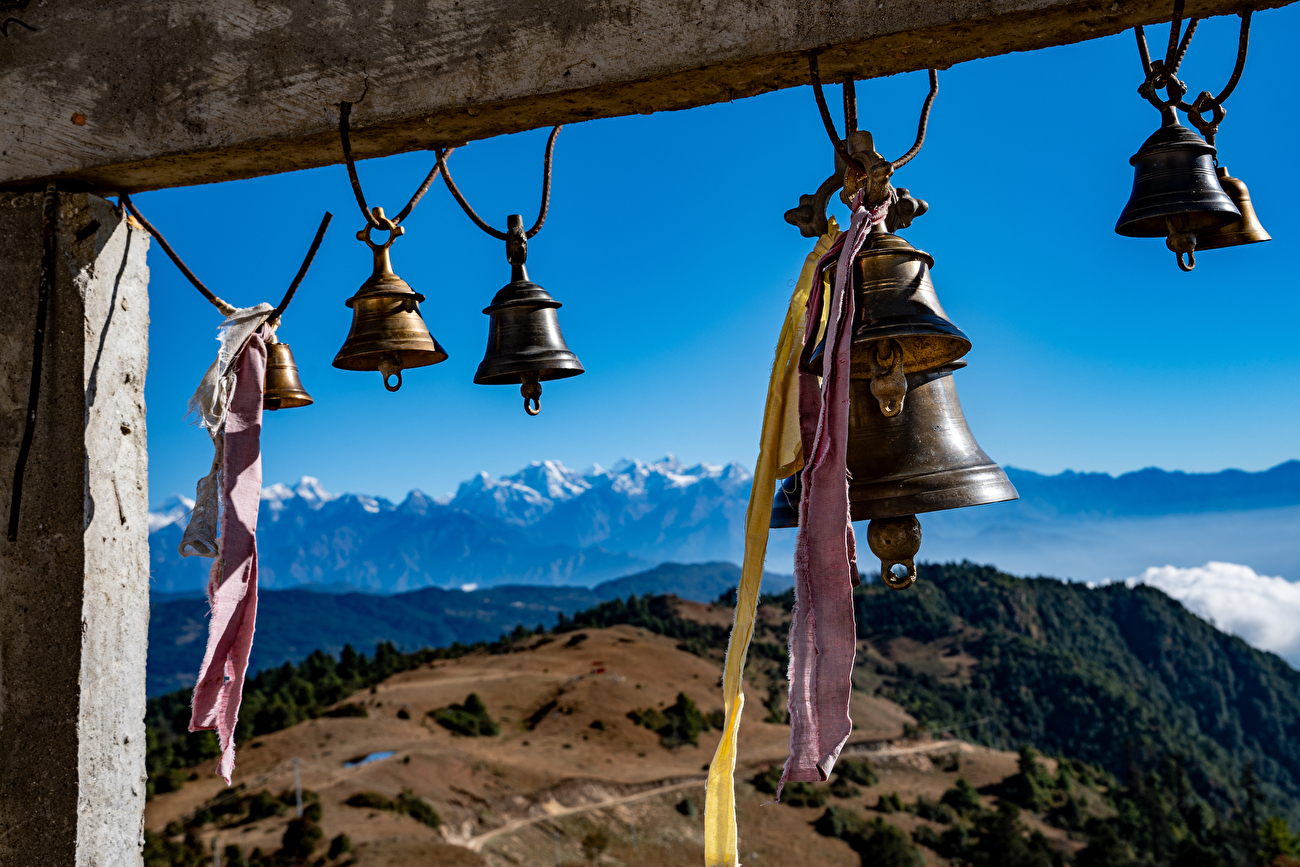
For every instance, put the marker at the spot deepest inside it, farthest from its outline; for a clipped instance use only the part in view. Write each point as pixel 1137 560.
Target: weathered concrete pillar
pixel 74 586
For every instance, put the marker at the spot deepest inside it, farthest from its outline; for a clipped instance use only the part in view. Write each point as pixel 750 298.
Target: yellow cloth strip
pixel 780 455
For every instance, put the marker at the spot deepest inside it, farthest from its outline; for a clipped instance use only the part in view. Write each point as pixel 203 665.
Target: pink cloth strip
pixel 232 587
pixel 823 639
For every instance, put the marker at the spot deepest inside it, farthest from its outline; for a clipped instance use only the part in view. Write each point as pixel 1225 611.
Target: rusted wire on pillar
pixel 225 307
pixel 49 223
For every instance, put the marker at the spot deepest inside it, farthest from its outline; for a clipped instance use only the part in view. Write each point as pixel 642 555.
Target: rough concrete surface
pixel 140 94
pixel 74 588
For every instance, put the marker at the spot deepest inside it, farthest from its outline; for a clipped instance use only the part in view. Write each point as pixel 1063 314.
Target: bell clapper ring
pixel 532 392
pixel 896 542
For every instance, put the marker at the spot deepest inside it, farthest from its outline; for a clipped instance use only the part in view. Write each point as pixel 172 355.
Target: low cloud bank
pixel 1262 610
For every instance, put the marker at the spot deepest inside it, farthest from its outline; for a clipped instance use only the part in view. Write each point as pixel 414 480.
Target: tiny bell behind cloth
pixel 1176 192
pixel 283 389
pixel 525 346
pixel 388 333
pixel 785 505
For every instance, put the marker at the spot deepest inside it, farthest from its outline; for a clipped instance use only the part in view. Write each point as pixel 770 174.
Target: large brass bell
pixel 283 389
pixel 525 346
pixel 1246 230
pixel 1176 193
pixel 388 333
pixel 924 459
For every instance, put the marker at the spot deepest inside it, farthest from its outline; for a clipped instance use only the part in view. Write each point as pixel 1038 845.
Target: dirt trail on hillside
pixel 554 810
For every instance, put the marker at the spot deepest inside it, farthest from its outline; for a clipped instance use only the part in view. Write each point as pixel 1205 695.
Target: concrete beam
pixel 141 94
pixel 74 587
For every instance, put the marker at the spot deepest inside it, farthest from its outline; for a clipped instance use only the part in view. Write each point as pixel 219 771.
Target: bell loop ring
pixel 389 366
pixel 1181 243
pixel 394 231
pixel 532 392
pixel 898 582
pixel 888 379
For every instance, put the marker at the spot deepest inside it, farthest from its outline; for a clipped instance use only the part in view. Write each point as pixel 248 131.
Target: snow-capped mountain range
pixel 546 524
pixel 549 525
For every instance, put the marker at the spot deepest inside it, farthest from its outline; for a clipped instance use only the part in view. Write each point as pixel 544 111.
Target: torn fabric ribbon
pixel 779 454
pixel 232 585
pixel 823 642
pixel 208 406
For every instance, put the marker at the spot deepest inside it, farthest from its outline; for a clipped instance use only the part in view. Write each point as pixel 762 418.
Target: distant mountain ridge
pixel 1159 492
pixel 550 525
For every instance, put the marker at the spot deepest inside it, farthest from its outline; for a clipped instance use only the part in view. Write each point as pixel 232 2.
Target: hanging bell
pixel 1246 230
pixel 921 459
pixel 899 326
pixel 388 333
pixel 894 300
pixel 283 389
pixel 785 505
pixel 1176 194
pixel 924 459
pixel 525 346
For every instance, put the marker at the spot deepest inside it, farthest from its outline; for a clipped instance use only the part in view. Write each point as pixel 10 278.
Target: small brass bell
pixel 785 506
pixel 1176 193
pixel 899 326
pixel 388 333
pixel 525 346
pixel 894 299
pixel 1247 230
pixel 283 389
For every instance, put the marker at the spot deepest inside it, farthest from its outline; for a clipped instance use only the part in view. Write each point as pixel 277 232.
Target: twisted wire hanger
pixel 479 221
pixel 1163 74
pixel 382 223
pixel 225 307
pixel 851 117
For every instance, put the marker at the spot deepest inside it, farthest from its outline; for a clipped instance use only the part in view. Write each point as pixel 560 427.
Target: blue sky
pixel 666 245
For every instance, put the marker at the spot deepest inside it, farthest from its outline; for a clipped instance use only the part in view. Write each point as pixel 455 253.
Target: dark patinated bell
pixel 525 346
pixel 1247 230
pixel 283 389
pixel 1176 193
pixel 785 505
pixel 388 333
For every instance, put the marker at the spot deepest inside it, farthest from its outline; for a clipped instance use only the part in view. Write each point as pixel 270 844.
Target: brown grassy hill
pixel 570 779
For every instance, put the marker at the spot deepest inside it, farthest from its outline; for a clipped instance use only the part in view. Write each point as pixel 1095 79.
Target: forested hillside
pixel 1184 738
pixel 1114 675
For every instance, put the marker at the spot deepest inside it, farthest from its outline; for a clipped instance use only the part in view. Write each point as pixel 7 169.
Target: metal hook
pixel 532 392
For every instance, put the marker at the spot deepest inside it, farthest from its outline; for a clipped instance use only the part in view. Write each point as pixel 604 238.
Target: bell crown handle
pixel 516 247
pixel 383 264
